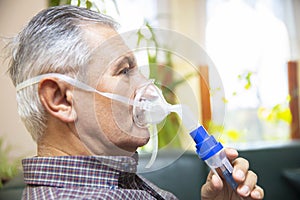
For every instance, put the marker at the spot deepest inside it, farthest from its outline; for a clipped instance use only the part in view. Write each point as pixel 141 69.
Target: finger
pixel 231 153
pixel 248 185
pixel 217 183
pixel 240 169
pixel 212 187
pixel 257 193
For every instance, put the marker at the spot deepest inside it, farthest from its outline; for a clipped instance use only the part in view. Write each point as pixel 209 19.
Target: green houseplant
pixel 9 168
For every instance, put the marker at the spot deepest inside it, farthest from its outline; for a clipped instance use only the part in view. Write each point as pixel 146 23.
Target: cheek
pixel 113 116
pixel 116 123
pixel 122 115
pixel 121 85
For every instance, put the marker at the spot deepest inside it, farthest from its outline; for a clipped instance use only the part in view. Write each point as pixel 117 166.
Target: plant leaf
pixel 54 3
pixel 88 4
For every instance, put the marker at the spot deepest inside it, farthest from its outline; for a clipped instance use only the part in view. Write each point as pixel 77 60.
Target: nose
pixel 150 93
pixel 147 91
pixel 138 79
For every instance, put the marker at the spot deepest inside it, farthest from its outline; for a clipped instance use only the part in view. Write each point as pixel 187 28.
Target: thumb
pixel 212 187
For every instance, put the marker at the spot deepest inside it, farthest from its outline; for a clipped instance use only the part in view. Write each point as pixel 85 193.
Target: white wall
pixel 14 14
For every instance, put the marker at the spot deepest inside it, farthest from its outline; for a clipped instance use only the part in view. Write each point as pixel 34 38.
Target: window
pixel 250 48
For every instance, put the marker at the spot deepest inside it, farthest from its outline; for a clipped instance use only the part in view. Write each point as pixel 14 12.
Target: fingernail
pixel 215 178
pixel 216 181
pixel 239 174
pixel 256 194
pixel 232 151
pixel 245 190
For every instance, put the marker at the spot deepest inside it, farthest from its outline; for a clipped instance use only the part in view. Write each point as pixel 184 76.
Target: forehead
pixel 107 47
pixel 96 34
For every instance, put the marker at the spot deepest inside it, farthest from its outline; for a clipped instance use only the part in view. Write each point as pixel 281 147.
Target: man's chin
pixel 144 141
pixel 132 144
pixel 140 142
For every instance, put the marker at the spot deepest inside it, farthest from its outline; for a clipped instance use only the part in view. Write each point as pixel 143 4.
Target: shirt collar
pixel 72 171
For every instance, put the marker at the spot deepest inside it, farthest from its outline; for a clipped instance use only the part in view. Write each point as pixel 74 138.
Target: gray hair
pixel 51 42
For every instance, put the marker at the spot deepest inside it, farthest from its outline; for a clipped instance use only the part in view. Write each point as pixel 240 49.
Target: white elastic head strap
pixel 146 105
pixel 79 85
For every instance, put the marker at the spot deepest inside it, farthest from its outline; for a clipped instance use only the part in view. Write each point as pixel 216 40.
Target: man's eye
pixel 125 71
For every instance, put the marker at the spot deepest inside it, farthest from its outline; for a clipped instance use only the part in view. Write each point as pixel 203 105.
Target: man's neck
pixel 60 140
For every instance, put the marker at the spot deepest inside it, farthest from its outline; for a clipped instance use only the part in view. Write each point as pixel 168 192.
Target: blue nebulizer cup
pixel 212 152
pixel 207 147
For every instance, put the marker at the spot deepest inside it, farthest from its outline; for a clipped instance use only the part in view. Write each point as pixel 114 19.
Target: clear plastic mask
pixel 151 108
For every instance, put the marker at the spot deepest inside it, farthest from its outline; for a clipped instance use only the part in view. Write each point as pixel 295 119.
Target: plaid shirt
pixel 87 177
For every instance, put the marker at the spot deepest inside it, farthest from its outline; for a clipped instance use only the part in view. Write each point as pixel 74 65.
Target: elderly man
pixel 66 64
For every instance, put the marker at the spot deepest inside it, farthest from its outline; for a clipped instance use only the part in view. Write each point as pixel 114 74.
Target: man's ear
pixel 57 98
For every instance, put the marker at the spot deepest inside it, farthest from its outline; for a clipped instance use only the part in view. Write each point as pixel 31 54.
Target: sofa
pixel 278 167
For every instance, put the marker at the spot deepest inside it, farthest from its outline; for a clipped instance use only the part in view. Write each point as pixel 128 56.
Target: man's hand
pixel 218 189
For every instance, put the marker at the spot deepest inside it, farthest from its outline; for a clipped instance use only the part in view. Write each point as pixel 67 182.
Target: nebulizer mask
pixel 148 105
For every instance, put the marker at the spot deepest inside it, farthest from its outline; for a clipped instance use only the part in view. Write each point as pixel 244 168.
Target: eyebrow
pixel 130 59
